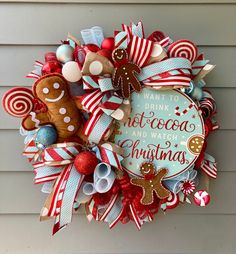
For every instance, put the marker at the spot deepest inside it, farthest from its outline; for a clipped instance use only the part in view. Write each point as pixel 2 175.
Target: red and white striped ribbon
pixel 61 153
pixel 140 50
pixel 36 73
pixel 209 166
pixel 172 81
pixel 30 150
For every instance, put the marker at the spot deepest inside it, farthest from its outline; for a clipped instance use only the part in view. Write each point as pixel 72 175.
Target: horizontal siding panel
pixel 218 141
pixel 19 60
pixel 47 23
pixel 225 98
pixel 20 195
pixel 185 234
pixel 125 1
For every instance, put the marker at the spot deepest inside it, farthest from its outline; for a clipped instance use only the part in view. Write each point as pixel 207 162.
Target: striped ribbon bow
pixel 172 72
pixel 102 101
pixel 56 166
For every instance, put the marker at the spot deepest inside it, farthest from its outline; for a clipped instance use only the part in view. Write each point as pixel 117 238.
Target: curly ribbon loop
pixel 103 179
pixel 209 166
pixel 175 184
pixel 102 102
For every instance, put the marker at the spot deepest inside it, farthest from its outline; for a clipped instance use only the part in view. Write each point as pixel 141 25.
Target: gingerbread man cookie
pixel 151 183
pixel 53 91
pixel 124 74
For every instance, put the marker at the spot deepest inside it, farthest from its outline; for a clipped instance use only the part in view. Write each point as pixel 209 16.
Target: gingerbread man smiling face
pixel 51 90
pixel 119 55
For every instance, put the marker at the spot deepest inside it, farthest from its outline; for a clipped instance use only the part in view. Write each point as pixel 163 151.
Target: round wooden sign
pixel 165 127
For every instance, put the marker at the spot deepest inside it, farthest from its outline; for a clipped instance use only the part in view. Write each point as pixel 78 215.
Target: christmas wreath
pixel 118 125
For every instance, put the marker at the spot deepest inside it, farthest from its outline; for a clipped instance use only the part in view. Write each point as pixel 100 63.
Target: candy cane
pixel 183 48
pixel 18 101
pixel 184 111
pixel 172 201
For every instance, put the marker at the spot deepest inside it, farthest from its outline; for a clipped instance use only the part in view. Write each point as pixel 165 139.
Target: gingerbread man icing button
pixel 62 112
pixel 151 183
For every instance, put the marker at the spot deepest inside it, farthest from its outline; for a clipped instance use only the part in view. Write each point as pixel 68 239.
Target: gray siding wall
pixel 27 30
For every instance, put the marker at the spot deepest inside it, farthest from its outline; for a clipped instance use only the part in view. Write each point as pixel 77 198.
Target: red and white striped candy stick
pixel 172 201
pixel 184 111
pixel 183 48
pixel 18 101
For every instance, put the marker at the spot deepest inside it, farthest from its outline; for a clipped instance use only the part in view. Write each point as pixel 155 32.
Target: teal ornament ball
pixel 65 53
pixel 46 135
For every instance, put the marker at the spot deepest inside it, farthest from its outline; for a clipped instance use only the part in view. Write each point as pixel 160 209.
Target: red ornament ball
pixel 108 43
pixel 91 48
pixel 51 67
pixel 86 162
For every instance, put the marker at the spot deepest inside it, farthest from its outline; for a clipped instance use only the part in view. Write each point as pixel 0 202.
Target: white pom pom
pixel 71 71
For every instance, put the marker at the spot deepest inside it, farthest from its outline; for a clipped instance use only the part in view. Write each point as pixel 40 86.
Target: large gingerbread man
pixel 62 112
pixel 151 183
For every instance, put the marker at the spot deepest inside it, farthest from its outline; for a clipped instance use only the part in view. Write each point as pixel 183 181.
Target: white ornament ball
pixel 64 53
pixel 71 71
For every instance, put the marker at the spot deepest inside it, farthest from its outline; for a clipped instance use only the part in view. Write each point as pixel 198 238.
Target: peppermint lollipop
pixel 202 198
pixel 183 48
pixel 18 101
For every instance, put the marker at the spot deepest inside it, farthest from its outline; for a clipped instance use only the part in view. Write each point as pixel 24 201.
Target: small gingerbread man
pixel 124 74
pixel 151 183
pixel 62 112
